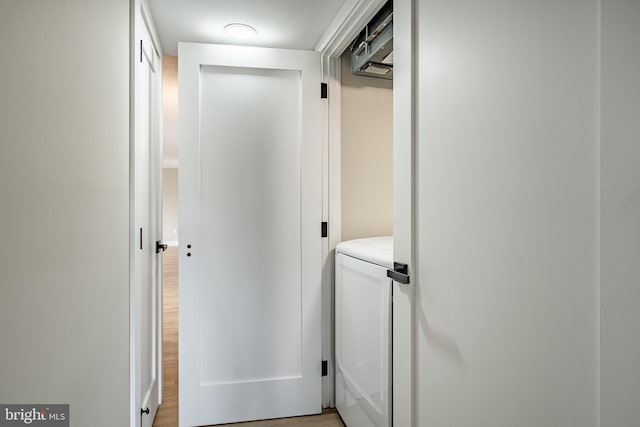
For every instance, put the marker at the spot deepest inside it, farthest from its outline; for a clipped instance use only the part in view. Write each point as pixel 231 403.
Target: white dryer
pixel 363 332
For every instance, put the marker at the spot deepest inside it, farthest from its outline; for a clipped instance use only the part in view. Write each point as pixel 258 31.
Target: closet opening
pixel 364 254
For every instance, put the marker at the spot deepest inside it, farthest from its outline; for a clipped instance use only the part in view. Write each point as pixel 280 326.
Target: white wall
pixel 366 154
pixel 170 206
pixel 64 186
pixel 620 214
pixel 170 149
pixel 169 111
pixel 507 213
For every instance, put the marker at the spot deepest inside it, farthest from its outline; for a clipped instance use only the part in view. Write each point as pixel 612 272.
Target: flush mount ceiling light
pixel 240 31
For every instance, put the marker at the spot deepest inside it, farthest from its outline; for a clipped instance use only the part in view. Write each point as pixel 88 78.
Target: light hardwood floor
pixel 167 415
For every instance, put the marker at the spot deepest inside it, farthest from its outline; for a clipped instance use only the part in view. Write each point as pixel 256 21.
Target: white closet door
pixel 147 336
pixel 250 245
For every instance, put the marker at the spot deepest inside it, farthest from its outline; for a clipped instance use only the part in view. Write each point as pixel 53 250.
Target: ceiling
pixel 288 24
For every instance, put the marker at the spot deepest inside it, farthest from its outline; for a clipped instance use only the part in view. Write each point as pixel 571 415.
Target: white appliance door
pixel 363 350
pixel 250 247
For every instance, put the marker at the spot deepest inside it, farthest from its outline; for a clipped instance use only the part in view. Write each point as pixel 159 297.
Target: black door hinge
pixel 325 368
pixel 324 91
pixel 140 50
pixel 324 229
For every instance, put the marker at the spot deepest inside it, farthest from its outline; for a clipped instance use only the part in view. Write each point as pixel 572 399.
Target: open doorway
pixel 368 156
pixel 362 288
pixel 167 415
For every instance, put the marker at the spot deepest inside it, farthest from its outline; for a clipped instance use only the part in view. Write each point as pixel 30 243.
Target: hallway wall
pixel 169 111
pixel 620 214
pixel 64 186
pixel 170 149
pixel 170 206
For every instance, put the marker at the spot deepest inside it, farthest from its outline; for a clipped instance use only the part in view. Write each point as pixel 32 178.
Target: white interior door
pixel 147 208
pixel 250 189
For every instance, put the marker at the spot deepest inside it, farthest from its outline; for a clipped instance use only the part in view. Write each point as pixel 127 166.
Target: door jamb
pixel 351 19
pixel 404 209
pixel 354 15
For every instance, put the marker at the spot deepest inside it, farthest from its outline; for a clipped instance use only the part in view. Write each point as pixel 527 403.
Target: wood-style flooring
pixel 329 418
pixel 167 415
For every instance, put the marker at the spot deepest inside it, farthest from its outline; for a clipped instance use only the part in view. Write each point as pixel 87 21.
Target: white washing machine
pixel 363 332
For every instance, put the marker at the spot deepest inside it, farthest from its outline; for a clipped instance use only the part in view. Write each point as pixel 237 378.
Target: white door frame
pixel 140 15
pixel 349 22
pixel 404 191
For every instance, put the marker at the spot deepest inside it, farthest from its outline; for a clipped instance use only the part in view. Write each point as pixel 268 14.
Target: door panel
pixel 258 202
pixel 143 249
pixel 250 212
pixel 147 188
